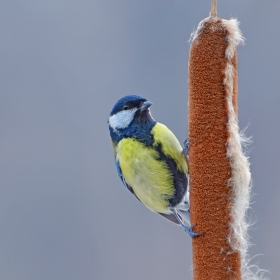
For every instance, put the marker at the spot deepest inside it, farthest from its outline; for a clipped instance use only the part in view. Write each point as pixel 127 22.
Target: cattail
pixel 219 171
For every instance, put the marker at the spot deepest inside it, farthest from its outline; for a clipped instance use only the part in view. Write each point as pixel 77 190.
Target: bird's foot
pixel 186 148
pixel 190 232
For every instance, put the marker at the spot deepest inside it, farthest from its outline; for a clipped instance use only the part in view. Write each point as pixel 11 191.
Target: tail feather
pixel 171 218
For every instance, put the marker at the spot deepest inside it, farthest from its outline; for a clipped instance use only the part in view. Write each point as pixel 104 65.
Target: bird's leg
pixel 188 230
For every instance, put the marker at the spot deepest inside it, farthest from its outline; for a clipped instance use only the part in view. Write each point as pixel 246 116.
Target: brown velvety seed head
pixel 209 165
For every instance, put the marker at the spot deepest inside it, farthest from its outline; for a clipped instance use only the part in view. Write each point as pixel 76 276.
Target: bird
pixel 150 160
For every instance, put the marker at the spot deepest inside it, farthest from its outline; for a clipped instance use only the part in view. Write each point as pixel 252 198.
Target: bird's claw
pixel 186 148
pixel 190 232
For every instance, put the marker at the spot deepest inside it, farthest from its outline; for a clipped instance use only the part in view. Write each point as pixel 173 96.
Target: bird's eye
pixel 125 107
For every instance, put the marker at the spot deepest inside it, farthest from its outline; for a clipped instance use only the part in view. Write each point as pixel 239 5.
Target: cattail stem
pixel 219 172
pixel 214 8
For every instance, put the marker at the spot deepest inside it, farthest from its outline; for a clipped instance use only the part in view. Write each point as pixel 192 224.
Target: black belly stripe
pixel 180 180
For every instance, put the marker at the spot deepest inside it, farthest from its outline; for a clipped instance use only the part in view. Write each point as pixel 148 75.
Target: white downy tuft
pixel 240 180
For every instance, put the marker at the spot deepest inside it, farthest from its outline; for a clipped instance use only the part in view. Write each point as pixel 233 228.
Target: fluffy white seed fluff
pixel 240 180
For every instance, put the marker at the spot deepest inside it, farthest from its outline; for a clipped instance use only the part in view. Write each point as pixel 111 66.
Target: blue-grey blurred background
pixel 64 213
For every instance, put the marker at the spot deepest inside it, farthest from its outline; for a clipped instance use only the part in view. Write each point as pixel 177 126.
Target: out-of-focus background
pixel 64 213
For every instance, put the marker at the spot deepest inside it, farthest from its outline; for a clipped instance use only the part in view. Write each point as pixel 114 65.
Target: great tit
pixel 150 160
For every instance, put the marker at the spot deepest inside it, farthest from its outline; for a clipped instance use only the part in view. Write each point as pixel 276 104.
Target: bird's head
pixel 127 109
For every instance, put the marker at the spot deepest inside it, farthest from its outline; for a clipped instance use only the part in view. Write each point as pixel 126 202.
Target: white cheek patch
pixel 122 119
